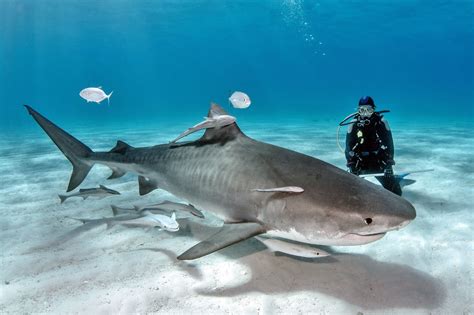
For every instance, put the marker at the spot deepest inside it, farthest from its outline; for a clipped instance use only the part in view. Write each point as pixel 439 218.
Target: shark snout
pixel 400 216
pixel 407 212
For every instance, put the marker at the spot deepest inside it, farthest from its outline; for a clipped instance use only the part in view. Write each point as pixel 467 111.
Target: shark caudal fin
pixel 75 151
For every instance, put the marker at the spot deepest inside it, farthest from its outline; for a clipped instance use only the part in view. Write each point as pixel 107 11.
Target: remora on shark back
pixel 233 176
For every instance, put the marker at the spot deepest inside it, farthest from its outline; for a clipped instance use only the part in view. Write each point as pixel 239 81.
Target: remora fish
pixel 219 173
pixel 85 193
pixel 124 217
pixel 95 94
pixel 150 220
pixel 162 207
pixel 214 121
pixel 294 249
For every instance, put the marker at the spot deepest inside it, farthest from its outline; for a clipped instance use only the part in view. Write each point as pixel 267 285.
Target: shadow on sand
pixel 357 279
pixel 354 278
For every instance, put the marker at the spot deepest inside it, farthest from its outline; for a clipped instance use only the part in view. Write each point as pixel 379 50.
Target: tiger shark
pixel 254 187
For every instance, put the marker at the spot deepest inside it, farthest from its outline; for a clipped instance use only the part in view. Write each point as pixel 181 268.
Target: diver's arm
pixel 385 135
pixel 351 141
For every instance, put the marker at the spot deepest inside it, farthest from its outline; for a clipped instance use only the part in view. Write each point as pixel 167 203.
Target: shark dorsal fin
pixel 215 110
pixel 220 134
pixel 121 147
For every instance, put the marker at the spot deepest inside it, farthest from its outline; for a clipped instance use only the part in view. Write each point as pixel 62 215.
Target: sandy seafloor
pixel 50 263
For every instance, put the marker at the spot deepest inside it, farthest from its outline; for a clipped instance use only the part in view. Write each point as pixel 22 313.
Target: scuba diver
pixel 369 144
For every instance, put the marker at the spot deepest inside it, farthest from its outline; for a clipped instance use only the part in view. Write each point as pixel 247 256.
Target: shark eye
pixel 368 220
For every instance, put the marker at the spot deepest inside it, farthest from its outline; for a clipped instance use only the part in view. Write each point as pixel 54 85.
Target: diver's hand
pixel 388 172
pixel 390 162
pixel 352 167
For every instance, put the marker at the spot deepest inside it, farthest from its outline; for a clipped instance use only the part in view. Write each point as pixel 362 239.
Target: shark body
pixel 240 180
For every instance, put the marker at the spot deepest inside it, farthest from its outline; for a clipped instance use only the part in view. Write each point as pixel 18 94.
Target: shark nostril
pixel 368 220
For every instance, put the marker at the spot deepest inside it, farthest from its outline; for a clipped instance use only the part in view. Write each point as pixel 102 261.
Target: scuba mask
pixel 365 111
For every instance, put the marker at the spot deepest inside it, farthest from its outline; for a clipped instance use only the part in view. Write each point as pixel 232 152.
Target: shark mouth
pixel 360 239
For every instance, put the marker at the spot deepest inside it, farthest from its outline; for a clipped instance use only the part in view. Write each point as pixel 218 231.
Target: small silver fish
pixel 291 248
pixel 164 207
pixel 240 100
pixel 100 221
pixel 172 206
pixel 85 193
pixel 151 220
pixel 95 94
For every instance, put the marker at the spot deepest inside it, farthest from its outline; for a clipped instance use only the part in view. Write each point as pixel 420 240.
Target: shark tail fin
pixel 74 150
pixel 62 198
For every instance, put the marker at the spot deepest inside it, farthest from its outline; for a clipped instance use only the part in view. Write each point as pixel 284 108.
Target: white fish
pixel 240 100
pixel 150 220
pixel 215 121
pixel 95 94
pixel 294 249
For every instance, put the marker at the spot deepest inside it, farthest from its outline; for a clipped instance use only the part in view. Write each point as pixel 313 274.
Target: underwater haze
pixel 304 64
pixel 296 59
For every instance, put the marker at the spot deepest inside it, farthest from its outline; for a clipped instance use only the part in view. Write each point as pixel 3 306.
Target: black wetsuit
pixel 369 150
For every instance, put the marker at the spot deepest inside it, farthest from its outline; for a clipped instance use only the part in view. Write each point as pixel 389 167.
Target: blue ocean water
pixel 305 64
pixel 296 59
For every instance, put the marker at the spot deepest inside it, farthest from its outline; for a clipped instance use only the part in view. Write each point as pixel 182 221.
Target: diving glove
pixel 388 172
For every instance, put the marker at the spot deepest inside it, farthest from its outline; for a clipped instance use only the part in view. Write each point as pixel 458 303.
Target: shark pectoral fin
pixel 229 234
pixel 286 189
pixel 145 185
pixel 116 173
pixel 79 173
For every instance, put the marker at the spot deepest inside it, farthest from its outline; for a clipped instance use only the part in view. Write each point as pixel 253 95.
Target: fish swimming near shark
pixel 165 206
pixel 243 181
pixel 215 120
pixel 95 94
pixel 123 217
pixel 240 100
pixel 291 248
pixel 150 220
pixel 85 193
